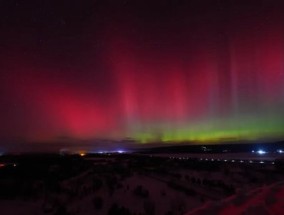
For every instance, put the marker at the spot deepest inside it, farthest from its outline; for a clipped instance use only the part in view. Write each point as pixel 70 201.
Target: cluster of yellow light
pixel 82 154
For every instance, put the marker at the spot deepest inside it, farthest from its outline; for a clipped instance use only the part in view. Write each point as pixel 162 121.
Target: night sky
pixel 156 70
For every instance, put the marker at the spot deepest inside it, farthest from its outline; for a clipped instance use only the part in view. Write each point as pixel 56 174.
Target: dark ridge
pixel 214 148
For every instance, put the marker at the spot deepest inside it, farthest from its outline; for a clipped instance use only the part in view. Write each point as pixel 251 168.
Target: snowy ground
pixel 167 184
pixel 263 200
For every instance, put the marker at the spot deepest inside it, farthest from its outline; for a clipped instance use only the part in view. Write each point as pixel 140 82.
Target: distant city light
pixel 82 154
pixel 280 151
pixel 252 151
pixel 261 152
pixel 120 151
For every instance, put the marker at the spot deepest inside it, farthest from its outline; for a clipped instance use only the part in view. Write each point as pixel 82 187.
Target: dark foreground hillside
pixel 130 184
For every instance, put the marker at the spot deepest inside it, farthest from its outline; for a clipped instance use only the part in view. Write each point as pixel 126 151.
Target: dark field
pixel 126 183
